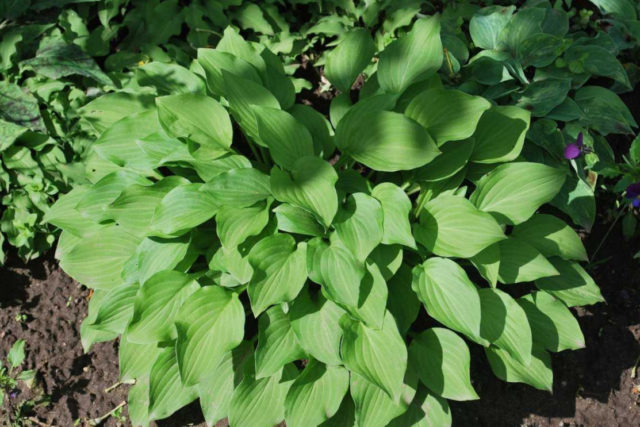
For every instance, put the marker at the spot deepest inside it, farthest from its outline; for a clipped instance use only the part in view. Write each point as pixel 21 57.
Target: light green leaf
pixel 135 360
pixel 505 324
pixel 373 407
pixel 169 78
pixel 359 225
pixel 380 356
pixel 573 286
pixel 537 373
pixel 411 58
pixel 449 296
pixel 277 343
pixel 98 259
pixel 448 115
pixel 167 393
pixel 441 359
pixel 514 191
pixel 216 391
pixel 182 209
pixel 552 237
pixel 260 402
pixel 310 185
pixel 280 271
pixel 452 226
pixel 197 117
pixel 210 323
pixel 426 410
pixel 214 61
pixel 293 219
pixel 521 262
pixel 385 141
pixel 315 395
pixel 349 58
pixel 341 275
pixel 239 188
pixel 395 208
pixel 488 263
pixel 454 157
pixel 157 305
pixel 552 323
pixel 500 134
pixel 16 354
pixel 114 312
pixel 155 254
pixel 235 225
pixel 287 139
pixel 315 321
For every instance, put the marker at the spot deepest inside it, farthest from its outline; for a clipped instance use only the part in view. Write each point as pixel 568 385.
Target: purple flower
pixel 574 150
pixel 14 393
pixel 633 194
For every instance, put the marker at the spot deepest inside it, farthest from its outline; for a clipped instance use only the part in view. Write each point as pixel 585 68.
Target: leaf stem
pixel 604 238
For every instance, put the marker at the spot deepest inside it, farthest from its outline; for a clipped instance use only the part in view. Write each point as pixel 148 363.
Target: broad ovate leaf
pixel 310 185
pixel 182 209
pixel 347 60
pixel 537 373
pixel 449 296
pixel 448 114
pixel 277 343
pixel 552 237
pixel 359 225
pixel 315 395
pixel 452 226
pixel 514 191
pixel 239 188
pixel 573 285
pixel 396 207
pixel 521 262
pixel 500 134
pixel 167 392
pixel 379 355
pixel 209 323
pixel 411 58
pixel 442 361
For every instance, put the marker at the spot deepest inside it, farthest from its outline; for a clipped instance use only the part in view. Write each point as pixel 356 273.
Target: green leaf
pixel 197 117
pixel 380 355
pixel 411 58
pixel 277 343
pixel 316 394
pixel 449 296
pixel 359 225
pixel 573 286
pixel 16 354
pixel 514 191
pixel 537 373
pixel 280 271
pixel 505 324
pixel 500 134
pixel 373 407
pixel 216 391
pixel 210 323
pixel 214 61
pixel 155 254
pixel 396 207
pixel 182 209
pixel 293 219
pixel 19 107
pixel 167 393
pixel 135 360
pixel 157 305
pixel 403 302
pixel 552 237
pixel 239 188
pixel 454 157
pixel 442 361
pixel 448 115
pixel 521 262
pixel 242 94
pixel 57 59
pixel 487 23
pixel 138 402
pixel 340 272
pixel 426 410
pixel 385 141
pixel 102 112
pixel 622 9
pixel 604 111
pixel 540 97
pixel 98 259
pixel 315 321
pixel 169 78
pixel 552 323
pixel 260 402
pixel 114 312
pixel 287 139
pixel 347 60
pixel 576 199
pixel 452 226
pixel 235 225
pixel 318 126
pixel 310 185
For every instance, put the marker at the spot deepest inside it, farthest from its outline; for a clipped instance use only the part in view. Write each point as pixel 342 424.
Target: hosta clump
pixel 273 264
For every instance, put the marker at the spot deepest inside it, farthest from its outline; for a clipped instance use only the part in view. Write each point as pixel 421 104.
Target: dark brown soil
pixel 43 306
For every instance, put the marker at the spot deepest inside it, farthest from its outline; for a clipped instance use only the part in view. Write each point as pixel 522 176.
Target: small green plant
pixel 281 266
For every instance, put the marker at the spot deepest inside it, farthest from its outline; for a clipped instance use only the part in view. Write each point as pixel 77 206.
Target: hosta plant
pixel 277 265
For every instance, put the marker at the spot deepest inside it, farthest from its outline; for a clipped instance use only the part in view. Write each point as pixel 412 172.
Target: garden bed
pixel 593 386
